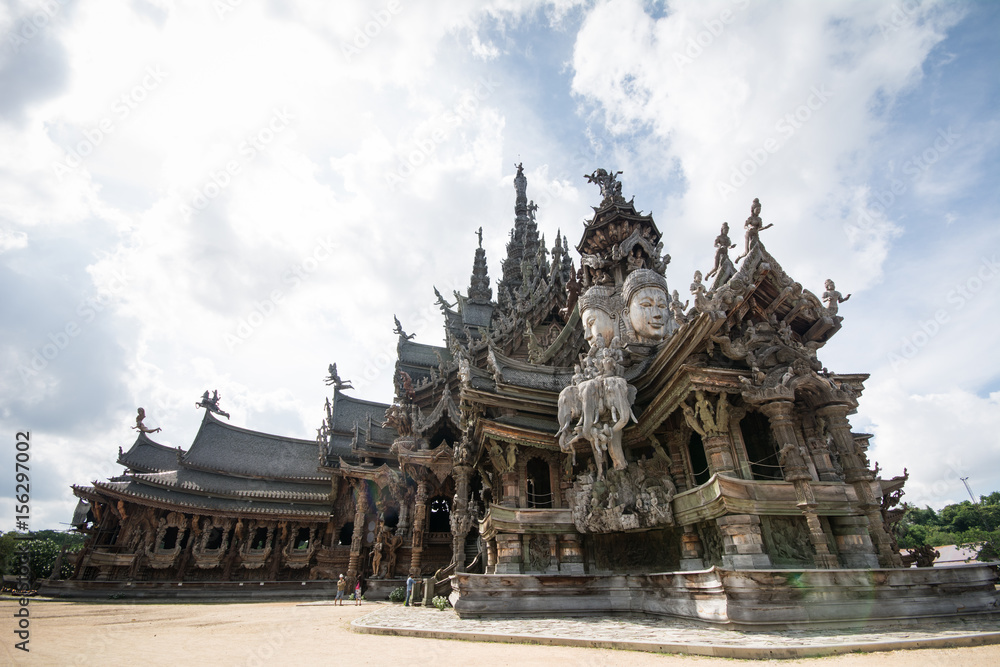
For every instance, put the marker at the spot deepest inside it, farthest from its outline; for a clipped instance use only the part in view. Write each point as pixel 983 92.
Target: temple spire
pixel 512 277
pixel 479 287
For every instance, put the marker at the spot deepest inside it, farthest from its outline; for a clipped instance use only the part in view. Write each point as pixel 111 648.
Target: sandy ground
pixel 284 633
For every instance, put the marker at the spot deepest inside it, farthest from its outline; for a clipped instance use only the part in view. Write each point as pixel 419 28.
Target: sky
pixel 232 195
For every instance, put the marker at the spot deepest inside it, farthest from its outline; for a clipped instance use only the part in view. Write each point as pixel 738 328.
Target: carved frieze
pixel 635 498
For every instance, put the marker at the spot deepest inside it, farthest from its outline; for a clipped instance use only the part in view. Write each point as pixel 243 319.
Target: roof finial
pixel 479 233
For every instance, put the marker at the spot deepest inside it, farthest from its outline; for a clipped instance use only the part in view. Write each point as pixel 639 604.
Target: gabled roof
pixel 221 447
pixel 349 411
pixel 147 456
pixel 181 500
pixel 212 484
pixel 524 374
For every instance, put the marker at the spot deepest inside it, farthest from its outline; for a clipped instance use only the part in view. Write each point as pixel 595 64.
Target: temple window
pixel 440 520
pixel 762 450
pixel 346 534
pixel 259 539
pixel 214 538
pixel 169 538
pixel 539 483
pixel 301 538
pixel 699 462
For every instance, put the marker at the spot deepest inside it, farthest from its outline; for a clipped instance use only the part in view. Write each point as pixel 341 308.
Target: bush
pixel 441 602
pixel 397 595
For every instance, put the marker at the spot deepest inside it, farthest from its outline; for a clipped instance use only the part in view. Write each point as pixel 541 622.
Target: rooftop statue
pixel 753 226
pixel 399 330
pixel 610 186
pixel 334 379
pixel 646 305
pixel 723 245
pixel 676 309
pixel 833 298
pixel 211 404
pixel 139 426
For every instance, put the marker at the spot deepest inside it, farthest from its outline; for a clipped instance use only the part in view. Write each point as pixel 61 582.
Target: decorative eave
pixel 235 494
pixel 676 389
pixel 382 475
pixel 489 429
pixel 597 236
pixel 248 510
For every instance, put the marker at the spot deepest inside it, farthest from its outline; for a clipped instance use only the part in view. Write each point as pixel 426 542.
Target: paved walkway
pixel 665 635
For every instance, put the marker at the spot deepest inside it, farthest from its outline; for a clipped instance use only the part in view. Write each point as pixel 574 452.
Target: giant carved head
pixel 646 305
pixel 599 309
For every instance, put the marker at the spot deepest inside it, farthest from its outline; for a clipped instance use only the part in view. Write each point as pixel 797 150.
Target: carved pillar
pixel 508 479
pixel 691 550
pixel 570 554
pixel 714 425
pixel 794 469
pixel 719 452
pixel 419 520
pixel 858 476
pixel 461 520
pixel 676 445
pixel 854 541
pixel 509 554
pixel 491 556
pixel 358 536
pixel 742 544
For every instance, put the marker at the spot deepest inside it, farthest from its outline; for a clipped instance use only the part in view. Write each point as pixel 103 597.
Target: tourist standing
pixel 357 592
pixel 341 587
pixel 409 590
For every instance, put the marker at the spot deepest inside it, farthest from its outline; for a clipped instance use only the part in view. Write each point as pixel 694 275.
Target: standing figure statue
pixel 723 245
pixel 753 226
pixel 833 298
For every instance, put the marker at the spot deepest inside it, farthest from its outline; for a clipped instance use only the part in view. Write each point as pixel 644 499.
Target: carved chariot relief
pixel 635 498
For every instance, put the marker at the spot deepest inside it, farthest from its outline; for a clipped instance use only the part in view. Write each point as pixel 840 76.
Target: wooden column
pixel 461 520
pixel 858 475
pixel 419 522
pixel 358 536
pixel 794 469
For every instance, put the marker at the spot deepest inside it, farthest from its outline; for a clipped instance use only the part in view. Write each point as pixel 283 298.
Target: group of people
pixel 342 588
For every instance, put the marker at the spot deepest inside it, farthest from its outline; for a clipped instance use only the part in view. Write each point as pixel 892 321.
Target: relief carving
pixel 630 499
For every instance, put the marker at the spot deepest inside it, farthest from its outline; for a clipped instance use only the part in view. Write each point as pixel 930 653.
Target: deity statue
pixel 647 299
pixel 139 426
pixel 211 403
pixel 599 311
pixel 399 330
pixel 723 245
pixel 833 298
pixel 676 309
pixel 608 182
pixel 334 379
pixel 753 226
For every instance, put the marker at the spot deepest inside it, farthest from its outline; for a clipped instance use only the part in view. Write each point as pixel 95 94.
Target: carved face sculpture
pixel 597 321
pixel 647 312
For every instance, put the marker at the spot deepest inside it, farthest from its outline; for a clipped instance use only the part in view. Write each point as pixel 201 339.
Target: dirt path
pixel 283 633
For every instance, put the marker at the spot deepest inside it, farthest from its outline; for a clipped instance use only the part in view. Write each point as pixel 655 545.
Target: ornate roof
pixel 223 448
pixel 147 456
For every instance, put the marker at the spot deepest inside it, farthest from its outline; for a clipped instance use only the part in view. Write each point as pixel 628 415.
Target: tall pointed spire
pixel 479 287
pixel 512 277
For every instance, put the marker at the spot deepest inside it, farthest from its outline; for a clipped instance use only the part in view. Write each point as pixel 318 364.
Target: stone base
pixel 754 599
pixel 689 564
pixel 746 561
